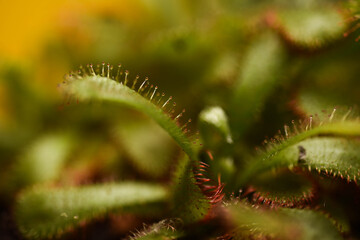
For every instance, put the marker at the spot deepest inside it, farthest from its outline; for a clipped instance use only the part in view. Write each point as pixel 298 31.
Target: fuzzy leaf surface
pixel 106 89
pixel 283 223
pixel 189 203
pixel 166 229
pixel 44 212
pixel 331 140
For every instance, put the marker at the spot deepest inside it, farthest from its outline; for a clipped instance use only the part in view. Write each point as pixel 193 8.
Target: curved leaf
pixel 214 128
pixel 41 161
pixel 188 201
pixel 312 102
pixel 284 223
pixel 46 213
pixel 217 137
pixel 149 147
pixel 331 155
pixel 97 87
pixel 282 188
pixel 311 28
pixel 293 151
pixel 260 74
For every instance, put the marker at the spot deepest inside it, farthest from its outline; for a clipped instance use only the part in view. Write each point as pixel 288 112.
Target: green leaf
pixel 353 13
pixel 216 135
pixel 45 213
pixel 338 156
pixel 282 188
pixel 150 148
pixel 214 128
pixel 41 161
pixel 283 223
pixel 101 88
pixel 328 147
pixel 311 28
pixel 166 229
pixel 182 52
pixel 188 202
pixel 260 74
pixel 312 102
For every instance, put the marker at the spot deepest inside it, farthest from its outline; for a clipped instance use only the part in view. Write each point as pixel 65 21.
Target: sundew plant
pixel 183 120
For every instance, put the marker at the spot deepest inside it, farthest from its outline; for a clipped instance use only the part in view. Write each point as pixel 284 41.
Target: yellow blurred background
pixel 26 25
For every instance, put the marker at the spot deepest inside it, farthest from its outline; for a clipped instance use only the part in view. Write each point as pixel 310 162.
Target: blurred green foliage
pixel 240 69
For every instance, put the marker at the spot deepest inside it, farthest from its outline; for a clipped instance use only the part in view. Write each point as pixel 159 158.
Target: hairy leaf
pixel 333 155
pixel 312 149
pixel 282 188
pixel 313 102
pixel 284 223
pixel 166 229
pixel 189 203
pixel 44 212
pixel 97 87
